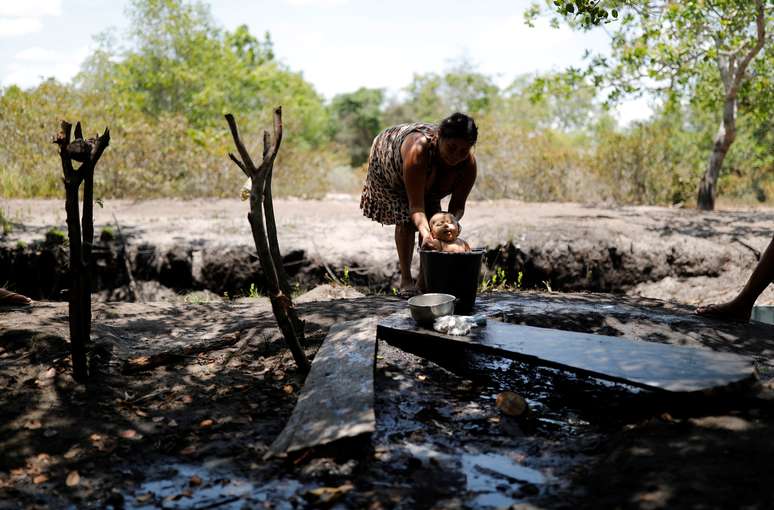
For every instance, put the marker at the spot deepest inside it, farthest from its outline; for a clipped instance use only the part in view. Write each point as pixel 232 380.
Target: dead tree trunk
pixel 80 232
pixel 261 218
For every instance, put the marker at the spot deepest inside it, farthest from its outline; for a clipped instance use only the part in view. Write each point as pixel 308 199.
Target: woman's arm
pixel 462 188
pixel 415 165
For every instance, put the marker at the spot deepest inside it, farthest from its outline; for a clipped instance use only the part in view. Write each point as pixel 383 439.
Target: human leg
pixel 404 243
pixel 12 298
pixel 740 308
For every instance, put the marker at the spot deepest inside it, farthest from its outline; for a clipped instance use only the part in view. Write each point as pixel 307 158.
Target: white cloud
pixel 510 48
pixel 30 8
pixel 37 54
pixel 12 27
pixel 32 65
pixel 317 3
pixel 633 110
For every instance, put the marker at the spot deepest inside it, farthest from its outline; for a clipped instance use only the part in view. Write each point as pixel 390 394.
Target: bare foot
pixel 731 311
pixel 408 289
pixel 9 298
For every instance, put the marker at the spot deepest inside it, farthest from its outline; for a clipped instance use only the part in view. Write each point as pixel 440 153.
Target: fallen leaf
pixel 288 389
pixel 40 479
pixel 511 403
pixel 195 481
pixel 139 361
pixel 73 479
pixel 72 453
pixel 129 434
pixel 421 377
pixel 328 495
pixel 33 425
pixel 140 412
pixel 188 450
pixel 207 423
pixel 144 498
pixel 187 399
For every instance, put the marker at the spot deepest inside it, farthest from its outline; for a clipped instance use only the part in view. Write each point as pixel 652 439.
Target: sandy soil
pixel 718 249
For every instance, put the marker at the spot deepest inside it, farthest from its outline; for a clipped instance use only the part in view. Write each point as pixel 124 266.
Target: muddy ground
pixel 189 431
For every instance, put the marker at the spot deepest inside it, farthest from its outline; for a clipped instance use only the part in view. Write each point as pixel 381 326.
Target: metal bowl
pixel 425 308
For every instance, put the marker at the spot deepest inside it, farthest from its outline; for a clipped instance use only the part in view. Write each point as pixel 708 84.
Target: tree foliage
pixel 431 96
pixel 545 137
pixel 357 120
pixel 715 52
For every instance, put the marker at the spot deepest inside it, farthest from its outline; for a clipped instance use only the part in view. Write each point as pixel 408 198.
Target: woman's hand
pixel 427 241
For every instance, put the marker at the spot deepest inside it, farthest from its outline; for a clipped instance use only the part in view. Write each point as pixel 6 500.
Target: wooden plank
pixel 645 364
pixel 337 400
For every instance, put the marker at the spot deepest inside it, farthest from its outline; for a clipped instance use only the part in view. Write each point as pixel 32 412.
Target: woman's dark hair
pixel 459 125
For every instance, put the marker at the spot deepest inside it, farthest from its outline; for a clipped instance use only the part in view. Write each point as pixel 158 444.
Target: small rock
pixel 73 479
pixel 511 403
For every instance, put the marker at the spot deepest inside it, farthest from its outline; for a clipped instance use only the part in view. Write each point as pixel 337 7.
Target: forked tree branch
pixel 263 226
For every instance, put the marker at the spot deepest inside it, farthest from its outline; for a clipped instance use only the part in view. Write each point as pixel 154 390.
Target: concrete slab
pixel 645 364
pixel 337 400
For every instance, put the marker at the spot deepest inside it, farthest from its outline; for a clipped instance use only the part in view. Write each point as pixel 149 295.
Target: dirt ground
pixel 189 430
pixel 673 254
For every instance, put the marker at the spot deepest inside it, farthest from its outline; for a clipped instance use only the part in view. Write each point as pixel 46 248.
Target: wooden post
pixel 80 232
pixel 263 226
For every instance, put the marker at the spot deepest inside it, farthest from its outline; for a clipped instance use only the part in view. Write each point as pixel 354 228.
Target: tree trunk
pixel 732 70
pixel 723 140
pixel 263 226
pixel 79 331
pixel 80 232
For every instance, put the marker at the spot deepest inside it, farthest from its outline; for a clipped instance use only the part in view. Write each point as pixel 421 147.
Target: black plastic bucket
pixel 457 274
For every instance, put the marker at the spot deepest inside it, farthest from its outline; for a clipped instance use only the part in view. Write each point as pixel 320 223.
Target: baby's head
pixel 445 227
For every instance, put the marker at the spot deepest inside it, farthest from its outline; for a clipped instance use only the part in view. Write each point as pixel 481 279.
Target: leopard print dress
pixel 384 197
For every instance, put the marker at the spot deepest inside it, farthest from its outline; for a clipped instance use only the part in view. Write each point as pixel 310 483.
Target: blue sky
pixel 339 45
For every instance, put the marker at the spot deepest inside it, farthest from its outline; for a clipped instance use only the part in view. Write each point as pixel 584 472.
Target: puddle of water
pixel 486 472
pixel 763 314
pixel 218 489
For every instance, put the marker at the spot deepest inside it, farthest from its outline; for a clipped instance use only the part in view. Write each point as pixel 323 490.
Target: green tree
pixel 248 48
pixel 431 96
pixel 677 49
pixel 177 61
pixel 358 119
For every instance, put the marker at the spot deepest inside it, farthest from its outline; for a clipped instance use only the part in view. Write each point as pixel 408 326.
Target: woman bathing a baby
pixel 411 167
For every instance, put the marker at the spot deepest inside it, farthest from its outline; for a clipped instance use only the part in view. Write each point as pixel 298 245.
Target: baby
pixel 446 229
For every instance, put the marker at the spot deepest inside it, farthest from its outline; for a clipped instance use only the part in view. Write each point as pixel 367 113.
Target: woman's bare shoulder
pixel 416 148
